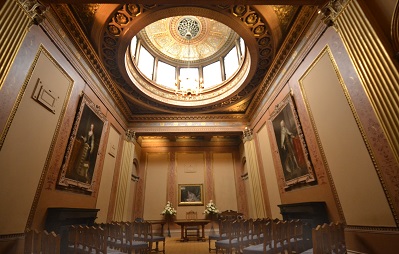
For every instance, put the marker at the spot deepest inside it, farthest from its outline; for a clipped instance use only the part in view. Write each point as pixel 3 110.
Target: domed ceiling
pixel 167 38
pixel 109 29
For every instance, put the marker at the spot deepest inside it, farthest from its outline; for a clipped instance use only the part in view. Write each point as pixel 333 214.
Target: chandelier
pixel 187 85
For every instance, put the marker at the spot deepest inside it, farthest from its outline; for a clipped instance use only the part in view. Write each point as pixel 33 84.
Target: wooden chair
pixel 32 242
pixel 51 243
pixel 328 238
pixel 232 241
pixel 152 238
pixel 42 242
pixel 136 240
pixel 219 236
pixel 266 240
pixel 191 231
pixel 230 215
pixel 296 235
pixel 246 227
pixel 281 237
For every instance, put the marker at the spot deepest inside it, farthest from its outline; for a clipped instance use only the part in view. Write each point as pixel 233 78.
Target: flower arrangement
pixel 169 210
pixel 211 208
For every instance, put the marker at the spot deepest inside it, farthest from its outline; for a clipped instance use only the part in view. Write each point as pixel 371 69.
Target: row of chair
pixel 41 242
pixel 115 238
pixel 328 238
pixel 277 236
pixel 259 236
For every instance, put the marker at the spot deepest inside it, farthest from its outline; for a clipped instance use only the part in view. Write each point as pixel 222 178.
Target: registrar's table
pixel 184 223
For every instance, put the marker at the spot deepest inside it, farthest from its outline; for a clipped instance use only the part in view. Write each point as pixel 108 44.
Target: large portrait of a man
pixel 80 162
pixel 290 143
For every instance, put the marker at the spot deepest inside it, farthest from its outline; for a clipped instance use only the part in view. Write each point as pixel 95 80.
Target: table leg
pixel 203 232
pixel 182 233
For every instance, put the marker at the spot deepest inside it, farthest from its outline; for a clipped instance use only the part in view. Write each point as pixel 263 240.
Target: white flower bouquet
pixel 169 210
pixel 211 208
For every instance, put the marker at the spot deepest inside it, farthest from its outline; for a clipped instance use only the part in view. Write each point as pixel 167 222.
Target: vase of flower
pixel 211 211
pixel 168 212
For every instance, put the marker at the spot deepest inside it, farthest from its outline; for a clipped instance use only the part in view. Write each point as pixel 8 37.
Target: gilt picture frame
pixel 190 194
pixel 290 145
pixel 81 160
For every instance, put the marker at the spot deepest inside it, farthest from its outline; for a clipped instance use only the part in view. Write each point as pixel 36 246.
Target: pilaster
pixel 253 173
pixel 16 17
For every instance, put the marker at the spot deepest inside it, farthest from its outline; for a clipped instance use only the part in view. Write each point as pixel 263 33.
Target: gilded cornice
pixel 83 44
pixel 85 13
pixel 286 51
pixel 285 14
pixel 189 118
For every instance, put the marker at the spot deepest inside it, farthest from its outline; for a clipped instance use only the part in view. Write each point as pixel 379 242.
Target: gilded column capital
pixel 130 135
pixel 332 10
pixel 247 134
pixel 34 10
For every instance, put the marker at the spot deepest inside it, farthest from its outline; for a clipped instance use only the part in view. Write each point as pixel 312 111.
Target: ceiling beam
pixel 190 2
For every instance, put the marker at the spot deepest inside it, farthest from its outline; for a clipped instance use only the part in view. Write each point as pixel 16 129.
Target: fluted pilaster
pixel 124 182
pixel 379 77
pixel 253 173
pixel 375 66
pixel 16 17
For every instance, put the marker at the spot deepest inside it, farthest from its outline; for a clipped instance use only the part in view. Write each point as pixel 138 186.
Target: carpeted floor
pixel 174 246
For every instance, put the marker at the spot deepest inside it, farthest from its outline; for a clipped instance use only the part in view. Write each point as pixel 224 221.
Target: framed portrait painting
pixel 191 194
pixel 290 143
pixel 80 163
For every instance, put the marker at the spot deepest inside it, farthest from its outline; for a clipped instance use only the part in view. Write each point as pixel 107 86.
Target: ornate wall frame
pixel 80 164
pixel 290 144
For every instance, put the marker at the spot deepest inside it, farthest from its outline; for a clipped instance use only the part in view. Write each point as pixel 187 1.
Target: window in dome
pixel 133 45
pixel 231 62
pixel 146 63
pixel 166 75
pixel 189 78
pixel 242 48
pixel 212 75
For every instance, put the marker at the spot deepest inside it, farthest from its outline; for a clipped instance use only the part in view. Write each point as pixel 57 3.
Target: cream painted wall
pixel 27 145
pixel 270 173
pixel 155 185
pixel 190 170
pixel 224 178
pixel 107 176
pixel 349 162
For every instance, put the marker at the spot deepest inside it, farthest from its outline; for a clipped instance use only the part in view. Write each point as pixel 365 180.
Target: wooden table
pixel 184 223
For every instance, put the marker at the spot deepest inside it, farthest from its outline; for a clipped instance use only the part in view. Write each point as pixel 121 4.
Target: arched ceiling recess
pixel 145 98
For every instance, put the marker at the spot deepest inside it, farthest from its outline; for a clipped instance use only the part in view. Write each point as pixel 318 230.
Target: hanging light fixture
pixel 188 86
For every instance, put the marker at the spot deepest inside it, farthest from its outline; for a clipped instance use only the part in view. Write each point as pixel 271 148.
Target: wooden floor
pixel 173 245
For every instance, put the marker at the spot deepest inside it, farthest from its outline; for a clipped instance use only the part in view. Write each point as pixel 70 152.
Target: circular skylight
pixel 188 57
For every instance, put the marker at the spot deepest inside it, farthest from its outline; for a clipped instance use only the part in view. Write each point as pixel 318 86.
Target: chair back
pixel 191 215
pixel 32 241
pixel 329 238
